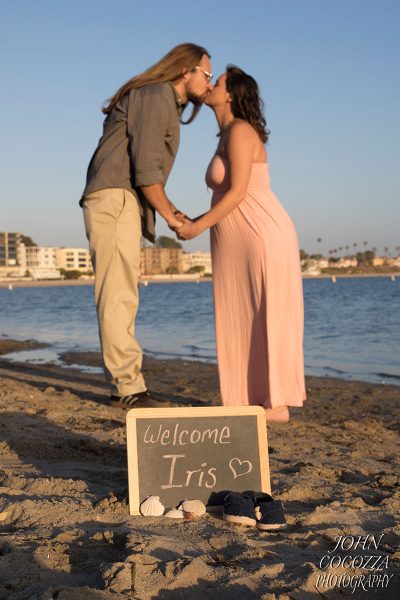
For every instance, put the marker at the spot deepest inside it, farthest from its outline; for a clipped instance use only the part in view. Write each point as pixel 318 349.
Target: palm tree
pixel 386 249
pixel 365 243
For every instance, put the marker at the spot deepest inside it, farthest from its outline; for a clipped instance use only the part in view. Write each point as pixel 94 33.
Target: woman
pixel 258 298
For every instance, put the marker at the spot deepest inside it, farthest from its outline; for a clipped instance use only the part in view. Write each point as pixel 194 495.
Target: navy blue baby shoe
pixel 239 508
pixel 269 513
pixel 252 508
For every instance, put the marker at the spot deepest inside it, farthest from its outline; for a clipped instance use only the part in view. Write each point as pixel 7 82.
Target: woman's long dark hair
pixel 246 102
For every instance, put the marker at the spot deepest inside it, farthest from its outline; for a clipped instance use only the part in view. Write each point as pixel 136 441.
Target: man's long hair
pixel 169 68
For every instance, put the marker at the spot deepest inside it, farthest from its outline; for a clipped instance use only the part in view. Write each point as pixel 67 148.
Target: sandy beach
pixel 66 532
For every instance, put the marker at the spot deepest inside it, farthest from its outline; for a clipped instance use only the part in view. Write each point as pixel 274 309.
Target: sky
pixel 328 71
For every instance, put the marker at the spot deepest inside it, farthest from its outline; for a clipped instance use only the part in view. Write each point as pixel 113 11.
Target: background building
pixel 9 248
pixel 154 261
pixel 41 262
pixel 12 254
pixel 74 259
pixel 43 257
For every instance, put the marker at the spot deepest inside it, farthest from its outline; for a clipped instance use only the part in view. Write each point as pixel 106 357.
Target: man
pixel 125 186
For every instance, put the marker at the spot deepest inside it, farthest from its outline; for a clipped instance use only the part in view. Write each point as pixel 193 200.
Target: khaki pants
pixel 113 228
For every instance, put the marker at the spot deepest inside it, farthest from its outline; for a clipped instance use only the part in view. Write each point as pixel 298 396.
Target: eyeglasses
pixel 208 75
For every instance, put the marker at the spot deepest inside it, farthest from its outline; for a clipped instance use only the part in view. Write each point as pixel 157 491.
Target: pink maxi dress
pixel 258 295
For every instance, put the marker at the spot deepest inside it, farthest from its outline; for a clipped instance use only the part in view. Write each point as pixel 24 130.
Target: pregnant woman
pixel 258 298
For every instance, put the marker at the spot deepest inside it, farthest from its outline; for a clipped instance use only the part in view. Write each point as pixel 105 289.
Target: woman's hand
pixel 189 230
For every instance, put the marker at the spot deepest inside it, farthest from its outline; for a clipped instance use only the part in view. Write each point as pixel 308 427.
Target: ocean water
pixel 352 327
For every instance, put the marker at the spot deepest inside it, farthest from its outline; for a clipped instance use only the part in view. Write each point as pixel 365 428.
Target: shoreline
pixel 88 361
pixel 176 279
pixel 67 532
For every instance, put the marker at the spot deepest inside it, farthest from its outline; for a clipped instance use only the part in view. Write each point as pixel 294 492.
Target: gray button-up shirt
pixel 138 146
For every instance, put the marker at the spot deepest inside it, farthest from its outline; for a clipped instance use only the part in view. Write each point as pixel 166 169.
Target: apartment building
pixel 40 262
pixel 74 259
pixel 154 261
pixel 9 248
pixel 41 257
pixel 12 256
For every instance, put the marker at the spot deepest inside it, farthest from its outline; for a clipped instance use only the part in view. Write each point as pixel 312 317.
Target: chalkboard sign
pixel 196 453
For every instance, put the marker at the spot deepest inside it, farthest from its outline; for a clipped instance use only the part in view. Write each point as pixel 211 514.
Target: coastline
pixel 176 279
pixel 63 503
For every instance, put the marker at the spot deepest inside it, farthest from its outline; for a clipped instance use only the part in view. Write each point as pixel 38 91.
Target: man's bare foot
pixel 280 414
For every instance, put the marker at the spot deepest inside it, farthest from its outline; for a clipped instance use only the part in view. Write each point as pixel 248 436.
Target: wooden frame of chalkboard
pixel 196 453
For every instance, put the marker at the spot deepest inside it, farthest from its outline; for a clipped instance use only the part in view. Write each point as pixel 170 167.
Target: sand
pixel 66 533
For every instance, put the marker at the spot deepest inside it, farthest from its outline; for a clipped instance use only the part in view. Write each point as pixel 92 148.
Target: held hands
pixel 188 230
pixel 176 221
pixel 184 227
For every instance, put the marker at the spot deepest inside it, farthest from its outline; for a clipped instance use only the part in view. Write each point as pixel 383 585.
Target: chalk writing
pixel 240 467
pixel 161 434
pixel 208 483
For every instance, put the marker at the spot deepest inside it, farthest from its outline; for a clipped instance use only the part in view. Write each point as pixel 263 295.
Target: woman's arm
pixel 240 148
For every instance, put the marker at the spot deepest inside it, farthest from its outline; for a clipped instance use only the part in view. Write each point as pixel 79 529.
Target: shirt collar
pixel 178 99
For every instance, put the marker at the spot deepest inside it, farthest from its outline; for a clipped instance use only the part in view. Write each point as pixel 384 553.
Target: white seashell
pixel 196 507
pixel 174 513
pixel 152 507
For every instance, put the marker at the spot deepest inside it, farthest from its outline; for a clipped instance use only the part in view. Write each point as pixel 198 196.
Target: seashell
pixel 174 513
pixel 193 506
pixel 152 507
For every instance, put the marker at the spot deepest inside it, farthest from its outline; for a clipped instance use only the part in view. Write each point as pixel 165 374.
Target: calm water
pixel 352 328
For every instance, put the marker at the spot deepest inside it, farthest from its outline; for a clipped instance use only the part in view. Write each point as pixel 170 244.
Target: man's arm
pixel 155 194
pixel 147 127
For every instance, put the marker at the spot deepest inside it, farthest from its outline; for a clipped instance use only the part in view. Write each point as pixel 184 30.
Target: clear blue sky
pixel 328 72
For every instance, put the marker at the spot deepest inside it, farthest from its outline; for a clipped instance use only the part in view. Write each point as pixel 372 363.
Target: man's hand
pixel 188 230
pixel 178 213
pixel 175 222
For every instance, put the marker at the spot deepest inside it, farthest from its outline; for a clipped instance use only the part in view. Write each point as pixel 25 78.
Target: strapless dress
pixel 258 295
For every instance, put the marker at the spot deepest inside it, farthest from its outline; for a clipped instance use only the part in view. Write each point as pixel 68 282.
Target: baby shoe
pixel 269 513
pixel 239 509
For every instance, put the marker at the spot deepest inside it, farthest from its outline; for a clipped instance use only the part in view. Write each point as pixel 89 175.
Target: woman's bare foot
pixel 280 414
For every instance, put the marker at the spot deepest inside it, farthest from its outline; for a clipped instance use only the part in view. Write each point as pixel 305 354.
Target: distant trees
pixel 28 241
pixel 163 241
pixel 73 274
pixel 196 269
pixel 303 255
pixel 365 258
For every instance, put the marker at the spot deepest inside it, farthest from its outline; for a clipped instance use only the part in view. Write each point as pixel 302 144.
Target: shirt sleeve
pixel 148 122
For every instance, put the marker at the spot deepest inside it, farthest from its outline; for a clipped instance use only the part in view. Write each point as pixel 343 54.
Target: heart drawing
pixel 240 467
